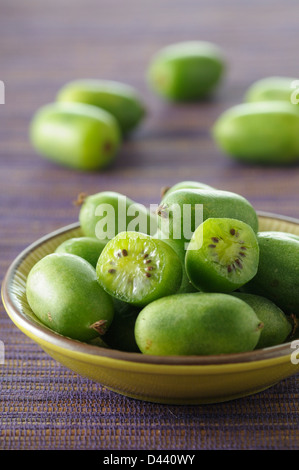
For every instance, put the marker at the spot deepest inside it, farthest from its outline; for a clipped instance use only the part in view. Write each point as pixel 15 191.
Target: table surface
pixel 43 45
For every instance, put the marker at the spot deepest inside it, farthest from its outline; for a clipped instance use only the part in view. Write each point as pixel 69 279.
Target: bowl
pixel 159 379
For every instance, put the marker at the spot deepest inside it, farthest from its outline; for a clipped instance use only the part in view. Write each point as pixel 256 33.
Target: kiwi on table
pixel 137 268
pixel 223 255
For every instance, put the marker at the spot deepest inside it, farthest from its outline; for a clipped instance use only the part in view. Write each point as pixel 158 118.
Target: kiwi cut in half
pixel 137 268
pixel 223 255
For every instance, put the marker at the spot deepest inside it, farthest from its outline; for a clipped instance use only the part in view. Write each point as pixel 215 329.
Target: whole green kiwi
pixel 197 324
pixel 277 326
pixel 63 292
pixel 103 215
pixel 76 135
pixel 277 275
pixel 186 71
pixel 264 132
pixel 88 248
pixel 121 100
pixel 182 211
pixel 274 88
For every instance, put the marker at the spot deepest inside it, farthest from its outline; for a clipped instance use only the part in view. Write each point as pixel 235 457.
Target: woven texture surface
pixel 43 45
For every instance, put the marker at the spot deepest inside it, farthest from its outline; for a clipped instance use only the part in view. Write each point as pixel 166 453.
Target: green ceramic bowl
pixel 168 380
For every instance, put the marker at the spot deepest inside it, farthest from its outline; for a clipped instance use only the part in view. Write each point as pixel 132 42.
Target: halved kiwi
pixel 222 256
pixel 137 268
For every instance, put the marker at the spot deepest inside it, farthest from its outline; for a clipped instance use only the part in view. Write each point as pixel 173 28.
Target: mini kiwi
pixel 137 268
pixel 184 185
pixel 105 214
pixel 181 212
pixel 277 325
pixel 222 256
pixel 88 248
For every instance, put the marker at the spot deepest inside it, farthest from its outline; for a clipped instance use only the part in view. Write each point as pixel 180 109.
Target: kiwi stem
pixel 100 326
pixel 164 190
pixel 80 199
pixel 260 326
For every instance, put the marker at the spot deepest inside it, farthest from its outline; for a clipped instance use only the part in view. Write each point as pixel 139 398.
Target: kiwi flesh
pixel 222 256
pixel 137 268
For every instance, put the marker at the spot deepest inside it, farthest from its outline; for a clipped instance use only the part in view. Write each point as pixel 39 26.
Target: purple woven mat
pixel 44 406
pixel 42 46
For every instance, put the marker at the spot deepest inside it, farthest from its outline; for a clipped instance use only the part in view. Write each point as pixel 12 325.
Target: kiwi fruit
pixel 63 293
pixel 105 214
pixel 189 184
pixel 137 268
pixel 88 248
pixel 197 324
pixel 223 255
pixel 181 211
pixel 277 275
pixel 277 326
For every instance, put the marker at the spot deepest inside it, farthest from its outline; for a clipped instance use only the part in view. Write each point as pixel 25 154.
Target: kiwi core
pixel 229 252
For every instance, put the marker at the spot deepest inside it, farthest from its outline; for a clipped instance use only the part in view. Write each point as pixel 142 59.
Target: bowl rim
pixel 47 336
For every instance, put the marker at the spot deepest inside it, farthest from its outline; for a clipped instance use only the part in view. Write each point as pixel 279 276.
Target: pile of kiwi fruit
pixel 229 288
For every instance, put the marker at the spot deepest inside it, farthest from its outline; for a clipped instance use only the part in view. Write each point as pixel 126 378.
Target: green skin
pixel 63 292
pixel 272 89
pixel 148 270
pixel 277 326
pixel 277 276
pixel 264 133
pixel 185 185
pixel 197 324
pixel 119 99
pixel 87 248
pixel 75 135
pixel 187 71
pixel 177 246
pixel 93 221
pixel 222 255
pixel 216 203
